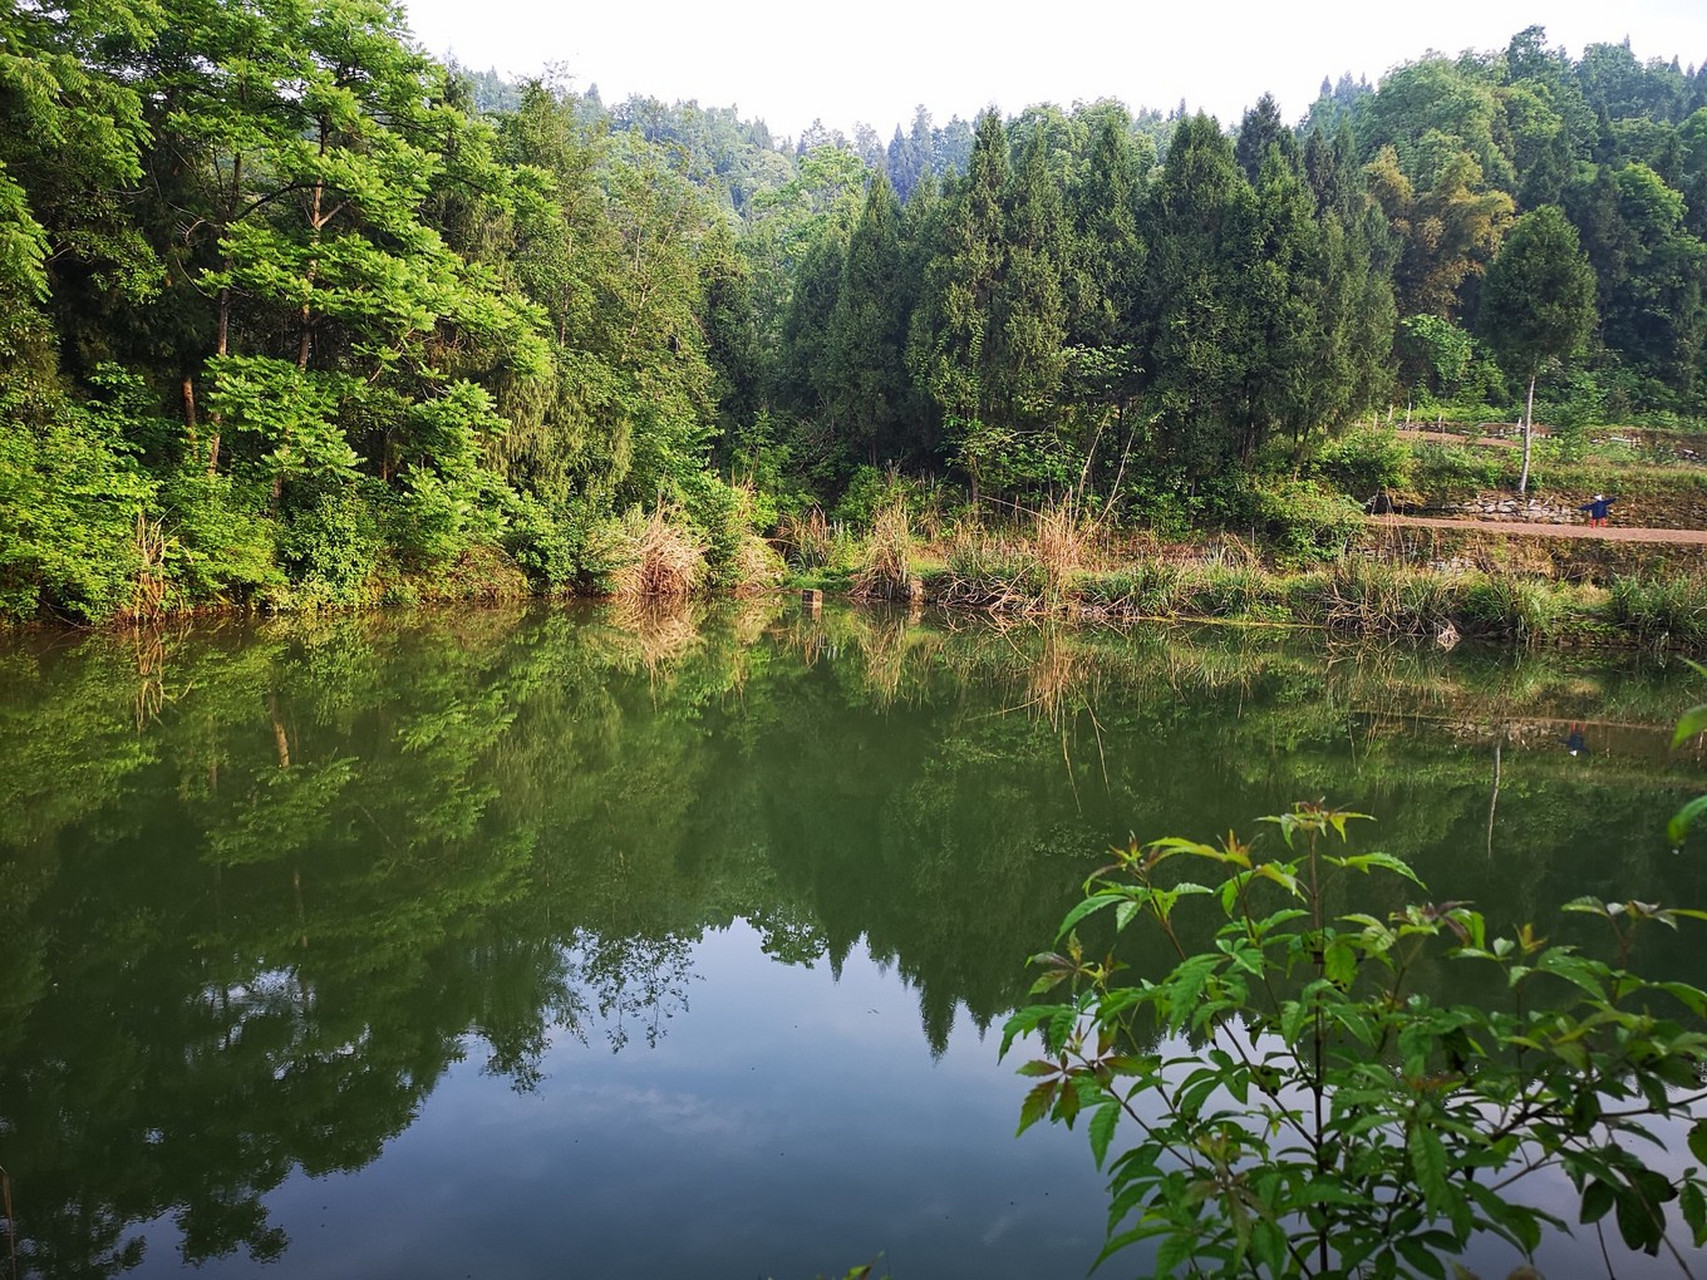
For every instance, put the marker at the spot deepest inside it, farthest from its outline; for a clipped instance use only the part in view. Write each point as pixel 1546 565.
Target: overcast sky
pixel 788 62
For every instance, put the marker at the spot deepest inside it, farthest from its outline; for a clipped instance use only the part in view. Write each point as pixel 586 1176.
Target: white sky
pixel 787 62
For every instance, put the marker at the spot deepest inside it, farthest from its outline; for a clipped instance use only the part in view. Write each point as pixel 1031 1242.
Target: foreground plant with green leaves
pixel 1296 1103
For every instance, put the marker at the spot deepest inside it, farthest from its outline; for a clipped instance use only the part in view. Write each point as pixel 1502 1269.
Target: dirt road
pixel 1535 529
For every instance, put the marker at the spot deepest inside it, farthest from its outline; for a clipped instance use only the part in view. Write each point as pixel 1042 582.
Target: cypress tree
pixel 869 389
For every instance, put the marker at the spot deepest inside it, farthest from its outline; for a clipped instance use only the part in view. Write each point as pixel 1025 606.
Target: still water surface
pixel 618 942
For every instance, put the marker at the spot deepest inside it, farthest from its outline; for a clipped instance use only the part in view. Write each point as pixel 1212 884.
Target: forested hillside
pixel 291 314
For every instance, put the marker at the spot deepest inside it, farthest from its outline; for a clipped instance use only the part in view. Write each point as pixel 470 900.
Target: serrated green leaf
pixel 1101 1130
pixel 1428 1162
pixel 1143 1231
pixel 1175 1250
pixel 1339 963
pixel 1268 1246
pixel 1598 1198
pixel 1586 974
pixel 1364 862
pixel 1090 906
pixel 1036 1104
pixel 1698 1141
pixel 1421 1257
pixel 1694 1207
pixel 1638 1222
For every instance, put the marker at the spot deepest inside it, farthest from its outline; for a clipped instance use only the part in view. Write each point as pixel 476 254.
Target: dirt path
pixel 1429 436
pixel 1534 529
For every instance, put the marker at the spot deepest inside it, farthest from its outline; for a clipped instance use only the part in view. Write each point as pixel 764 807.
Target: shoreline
pixel 1359 596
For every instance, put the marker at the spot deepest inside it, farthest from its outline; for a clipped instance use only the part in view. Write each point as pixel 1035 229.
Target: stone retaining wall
pixel 1493 550
pixel 1532 510
pixel 1682 507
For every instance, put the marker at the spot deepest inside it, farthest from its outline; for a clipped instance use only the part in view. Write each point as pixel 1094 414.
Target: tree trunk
pixel 1528 427
pixel 222 342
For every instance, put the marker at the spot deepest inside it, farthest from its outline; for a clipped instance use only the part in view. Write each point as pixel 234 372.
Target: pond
pixel 625 941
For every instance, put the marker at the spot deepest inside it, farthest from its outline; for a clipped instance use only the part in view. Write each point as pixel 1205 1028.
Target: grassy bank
pixel 1052 565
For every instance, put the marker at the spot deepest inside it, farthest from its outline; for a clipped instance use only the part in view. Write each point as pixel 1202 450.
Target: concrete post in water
pixel 812 599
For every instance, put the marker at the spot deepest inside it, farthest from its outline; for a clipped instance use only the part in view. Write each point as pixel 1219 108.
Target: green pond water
pixel 609 941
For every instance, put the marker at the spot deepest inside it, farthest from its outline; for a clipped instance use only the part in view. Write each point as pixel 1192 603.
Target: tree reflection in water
pixel 266 885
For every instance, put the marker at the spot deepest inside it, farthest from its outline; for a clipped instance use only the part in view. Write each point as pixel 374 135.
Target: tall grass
pixel 1660 610
pixel 808 541
pixel 986 571
pixel 1058 547
pixel 660 558
pixel 887 571
pixel 1524 610
pixel 1379 598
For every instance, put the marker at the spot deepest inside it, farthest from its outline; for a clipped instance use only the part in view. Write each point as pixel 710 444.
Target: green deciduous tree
pixel 1537 302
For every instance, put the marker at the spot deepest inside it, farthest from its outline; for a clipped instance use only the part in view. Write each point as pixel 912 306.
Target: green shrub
pixel 724 516
pixel 1364 462
pixel 1303 522
pixel 70 498
pixel 331 545
pixel 868 489
pixel 1453 470
pixel 538 540
pixel 1280 1098
pixel 222 543
pixel 599 543
pixel 435 518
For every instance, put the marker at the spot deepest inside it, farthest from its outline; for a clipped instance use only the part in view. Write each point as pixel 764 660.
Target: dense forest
pixel 292 314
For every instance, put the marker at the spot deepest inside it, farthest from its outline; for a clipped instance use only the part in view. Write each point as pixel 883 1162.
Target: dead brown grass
pixel 806 540
pixel 661 558
pixel 1058 545
pixel 887 573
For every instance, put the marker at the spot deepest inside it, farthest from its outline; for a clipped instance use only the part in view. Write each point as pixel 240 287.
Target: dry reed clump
pixel 986 571
pixel 660 558
pixel 756 566
pixel 1058 546
pixel 149 600
pixel 887 573
pixel 808 541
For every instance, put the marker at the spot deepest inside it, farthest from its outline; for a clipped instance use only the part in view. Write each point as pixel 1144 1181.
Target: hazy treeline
pixel 288 318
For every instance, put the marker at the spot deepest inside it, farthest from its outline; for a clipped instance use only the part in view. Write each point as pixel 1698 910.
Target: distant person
pixel 1574 743
pixel 1597 510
